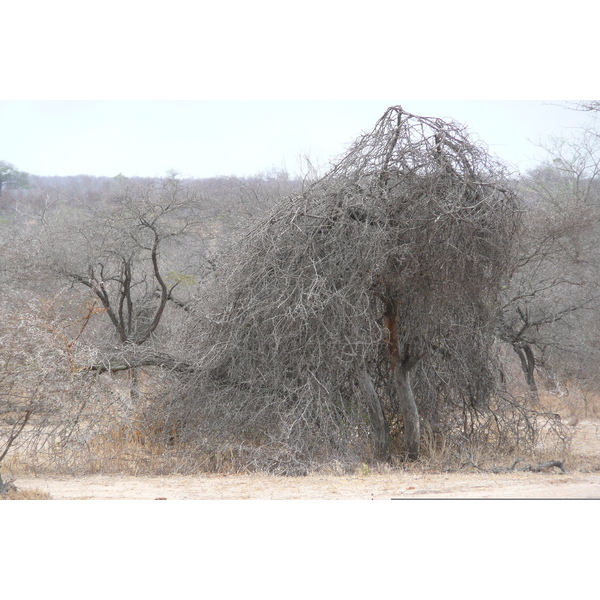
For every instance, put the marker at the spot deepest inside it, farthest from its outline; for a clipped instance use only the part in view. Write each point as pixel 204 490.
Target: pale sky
pixel 64 68
pixel 205 138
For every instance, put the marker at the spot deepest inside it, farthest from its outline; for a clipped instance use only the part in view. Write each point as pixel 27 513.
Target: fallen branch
pixel 126 364
pixel 544 466
pixel 531 468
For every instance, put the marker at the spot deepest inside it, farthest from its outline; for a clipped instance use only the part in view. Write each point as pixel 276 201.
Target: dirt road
pixel 369 487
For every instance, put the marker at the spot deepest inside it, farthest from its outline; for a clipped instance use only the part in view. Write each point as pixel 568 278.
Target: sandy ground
pixel 400 485
pixel 370 487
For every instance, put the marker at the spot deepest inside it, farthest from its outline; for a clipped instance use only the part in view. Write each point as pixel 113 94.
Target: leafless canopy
pixel 388 266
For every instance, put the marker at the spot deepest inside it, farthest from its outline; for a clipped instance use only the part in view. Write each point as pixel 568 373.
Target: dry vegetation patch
pixel 26 494
pixel 367 482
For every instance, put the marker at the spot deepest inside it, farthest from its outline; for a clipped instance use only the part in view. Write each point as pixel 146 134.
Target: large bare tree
pixel 322 314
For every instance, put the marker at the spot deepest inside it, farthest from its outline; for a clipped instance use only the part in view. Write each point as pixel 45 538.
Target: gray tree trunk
pixel 411 440
pixel 525 354
pixel 381 430
pixel 401 366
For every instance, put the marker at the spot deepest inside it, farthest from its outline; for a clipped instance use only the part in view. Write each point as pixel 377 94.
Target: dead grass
pixel 116 455
pixel 30 494
pixel 429 477
pixel 135 451
pixel 572 403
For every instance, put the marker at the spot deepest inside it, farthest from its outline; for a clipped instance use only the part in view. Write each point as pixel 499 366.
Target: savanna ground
pixel 581 480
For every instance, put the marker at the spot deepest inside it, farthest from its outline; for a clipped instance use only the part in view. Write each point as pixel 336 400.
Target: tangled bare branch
pixel 389 265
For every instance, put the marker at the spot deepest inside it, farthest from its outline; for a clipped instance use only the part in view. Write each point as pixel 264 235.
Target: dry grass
pixel 572 403
pixel 31 494
pixel 106 454
pixel 140 449
pixel 124 452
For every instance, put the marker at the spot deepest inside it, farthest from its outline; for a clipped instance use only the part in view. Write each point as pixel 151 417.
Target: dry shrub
pixel 417 217
pixel 116 431
pixel 58 417
pixel 507 430
pixel 43 395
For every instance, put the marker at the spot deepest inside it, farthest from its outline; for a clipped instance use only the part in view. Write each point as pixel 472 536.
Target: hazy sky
pixel 267 49
pixel 205 138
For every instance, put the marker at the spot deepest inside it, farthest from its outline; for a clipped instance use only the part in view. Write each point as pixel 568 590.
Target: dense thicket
pixel 390 263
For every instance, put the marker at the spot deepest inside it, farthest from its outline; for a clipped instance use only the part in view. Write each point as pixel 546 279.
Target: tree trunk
pixel 401 368
pixel 525 354
pixel 411 440
pixel 381 430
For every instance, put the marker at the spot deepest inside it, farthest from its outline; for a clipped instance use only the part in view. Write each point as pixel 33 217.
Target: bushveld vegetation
pixel 417 303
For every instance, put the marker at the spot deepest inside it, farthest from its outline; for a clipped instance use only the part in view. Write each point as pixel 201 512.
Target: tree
pixel 133 254
pixel 321 315
pixel 101 286
pixel 11 177
pixel 589 105
pixel 546 312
